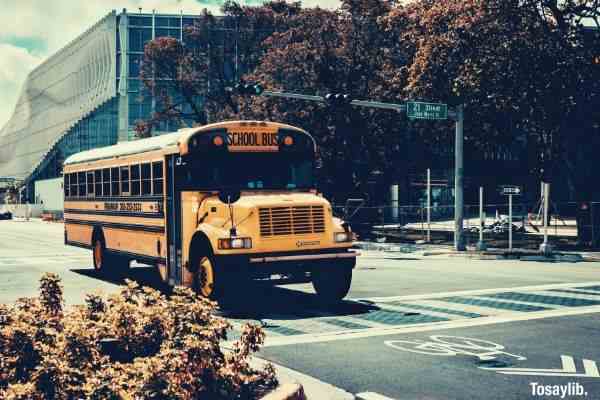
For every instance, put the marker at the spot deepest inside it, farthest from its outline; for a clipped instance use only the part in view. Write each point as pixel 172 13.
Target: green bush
pixel 136 344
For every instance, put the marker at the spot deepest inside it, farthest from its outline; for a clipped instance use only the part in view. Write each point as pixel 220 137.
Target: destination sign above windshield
pixel 246 139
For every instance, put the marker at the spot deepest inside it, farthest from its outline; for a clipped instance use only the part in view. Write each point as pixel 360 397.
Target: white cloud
pixel 15 64
pixel 57 22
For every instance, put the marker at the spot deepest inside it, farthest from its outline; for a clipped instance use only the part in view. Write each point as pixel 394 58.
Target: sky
pixel 32 30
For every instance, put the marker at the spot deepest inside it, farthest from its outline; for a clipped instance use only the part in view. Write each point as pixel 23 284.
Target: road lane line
pixel 432 326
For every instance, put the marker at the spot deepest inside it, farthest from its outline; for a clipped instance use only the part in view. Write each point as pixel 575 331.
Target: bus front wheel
pixel 208 277
pixel 332 282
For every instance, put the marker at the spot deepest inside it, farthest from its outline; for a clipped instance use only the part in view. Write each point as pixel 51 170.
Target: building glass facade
pixel 87 95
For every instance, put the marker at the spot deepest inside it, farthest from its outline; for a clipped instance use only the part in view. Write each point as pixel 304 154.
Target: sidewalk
pixel 373 249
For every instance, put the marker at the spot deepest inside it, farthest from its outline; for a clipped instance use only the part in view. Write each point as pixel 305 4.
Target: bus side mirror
pixel 229 196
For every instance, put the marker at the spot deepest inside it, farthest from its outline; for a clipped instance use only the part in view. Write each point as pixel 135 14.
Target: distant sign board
pixel 508 190
pixel 420 110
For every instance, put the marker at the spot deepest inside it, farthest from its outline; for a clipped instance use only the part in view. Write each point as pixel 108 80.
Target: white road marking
pixel 427 327
pixel 590 369
pixel 415 310
pixel 470 308
pixel 520 302
pixel 569 295
pixel 443 345
pixel 478 292
pixel 371 396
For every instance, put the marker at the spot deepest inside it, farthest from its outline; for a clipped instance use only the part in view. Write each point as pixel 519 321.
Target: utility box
pixel 49 194
pixel 588 224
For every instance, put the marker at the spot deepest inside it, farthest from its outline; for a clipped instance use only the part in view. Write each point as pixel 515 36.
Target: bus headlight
pixel 340 237
pixel 235 243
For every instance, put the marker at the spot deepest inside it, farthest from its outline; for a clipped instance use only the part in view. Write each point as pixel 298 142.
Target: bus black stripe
pixel 117 199
pixel 115 213
pixel 132 227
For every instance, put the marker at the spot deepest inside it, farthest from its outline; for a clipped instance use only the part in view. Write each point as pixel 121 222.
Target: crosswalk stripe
pixel 525 303
pixel 371 396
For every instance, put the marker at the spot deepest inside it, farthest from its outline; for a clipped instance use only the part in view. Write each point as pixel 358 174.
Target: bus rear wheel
pixel 332 283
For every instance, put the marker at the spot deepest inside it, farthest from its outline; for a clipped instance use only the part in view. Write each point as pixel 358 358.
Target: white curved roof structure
pixel 58 94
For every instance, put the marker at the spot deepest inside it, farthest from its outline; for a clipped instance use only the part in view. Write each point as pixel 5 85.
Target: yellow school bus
pixel 212 208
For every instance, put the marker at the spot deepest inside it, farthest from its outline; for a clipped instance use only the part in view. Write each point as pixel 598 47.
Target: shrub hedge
pixel 135 344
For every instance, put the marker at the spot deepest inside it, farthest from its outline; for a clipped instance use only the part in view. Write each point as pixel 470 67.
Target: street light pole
pixel 459 244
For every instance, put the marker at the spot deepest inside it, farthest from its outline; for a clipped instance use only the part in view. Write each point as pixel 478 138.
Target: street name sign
pixel 421 110
pixel 510 190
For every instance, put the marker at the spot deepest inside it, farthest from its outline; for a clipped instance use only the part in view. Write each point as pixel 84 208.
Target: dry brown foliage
pixel 135 344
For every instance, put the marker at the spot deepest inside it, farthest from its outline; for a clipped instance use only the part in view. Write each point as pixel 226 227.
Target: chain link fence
pixel 410 224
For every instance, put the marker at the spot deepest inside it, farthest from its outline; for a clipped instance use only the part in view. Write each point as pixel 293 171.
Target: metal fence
pixel 410 223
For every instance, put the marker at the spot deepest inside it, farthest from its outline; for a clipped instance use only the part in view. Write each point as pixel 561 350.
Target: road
pixel 412 327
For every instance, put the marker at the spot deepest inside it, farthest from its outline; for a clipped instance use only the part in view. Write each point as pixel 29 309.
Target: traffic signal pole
pixel 457 115
pixel 459 243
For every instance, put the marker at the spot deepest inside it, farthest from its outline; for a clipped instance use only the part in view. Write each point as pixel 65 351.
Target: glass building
pixel 87 95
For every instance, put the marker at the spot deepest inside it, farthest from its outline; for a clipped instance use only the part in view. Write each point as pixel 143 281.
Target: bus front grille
pixel 296 220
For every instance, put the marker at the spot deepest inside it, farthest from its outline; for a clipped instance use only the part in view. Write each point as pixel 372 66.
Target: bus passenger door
pixel 173 220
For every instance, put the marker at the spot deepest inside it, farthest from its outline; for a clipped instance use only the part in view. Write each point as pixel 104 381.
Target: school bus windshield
pixel 250 171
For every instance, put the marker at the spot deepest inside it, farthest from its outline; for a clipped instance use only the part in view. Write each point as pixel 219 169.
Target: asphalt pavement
pixel 412 327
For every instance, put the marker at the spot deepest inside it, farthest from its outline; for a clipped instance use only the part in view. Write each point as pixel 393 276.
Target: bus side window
pixel 157 177
pixel 66 184
pixel 106 182
pixel 125 180
pixel 135 180
pixel 98 183
pixel 114 182
pixel 146 179
pixel 90 183
pixel 73 184
pixel 81 184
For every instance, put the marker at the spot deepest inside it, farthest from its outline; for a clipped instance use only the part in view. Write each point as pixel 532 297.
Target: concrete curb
pixel 287 391
pixel 312 388
pixel 522 256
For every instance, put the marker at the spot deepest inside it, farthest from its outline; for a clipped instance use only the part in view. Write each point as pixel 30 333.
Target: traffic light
pixel 249 89
pixel 337 99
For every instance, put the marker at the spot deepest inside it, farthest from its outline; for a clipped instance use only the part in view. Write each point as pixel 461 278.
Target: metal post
pixel 459 244
pixel 545 247
pixel 592 223
pixel 481 245
pixel 428 205
pixel 510 222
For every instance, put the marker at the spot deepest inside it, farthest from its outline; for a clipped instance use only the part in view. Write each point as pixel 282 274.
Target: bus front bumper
pixel 265 264
pixel 303 257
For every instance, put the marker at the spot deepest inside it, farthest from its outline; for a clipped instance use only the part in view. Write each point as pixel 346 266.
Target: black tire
pixel 209 278
pixel 332 282
pixel 99 255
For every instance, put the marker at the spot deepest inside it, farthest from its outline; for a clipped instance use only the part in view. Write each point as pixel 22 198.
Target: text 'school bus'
pixel 210 207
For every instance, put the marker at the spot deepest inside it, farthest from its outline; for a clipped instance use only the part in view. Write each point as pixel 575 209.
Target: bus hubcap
pixel 98 254
pixel 206 278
